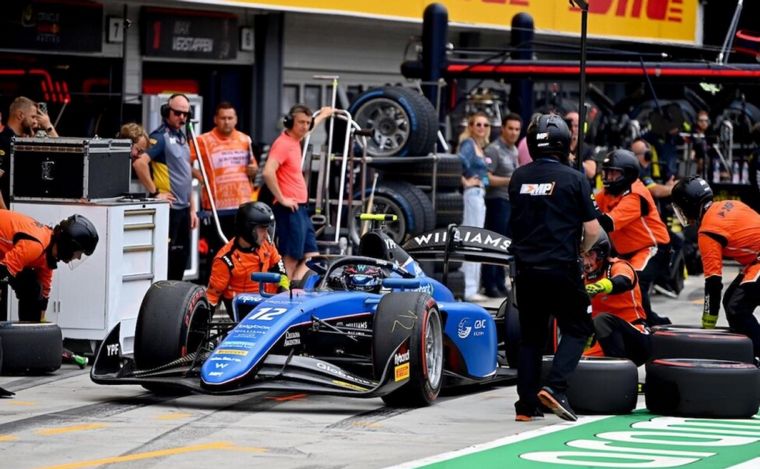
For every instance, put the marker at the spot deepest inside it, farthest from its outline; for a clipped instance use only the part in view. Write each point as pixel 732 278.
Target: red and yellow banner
pixel 648 20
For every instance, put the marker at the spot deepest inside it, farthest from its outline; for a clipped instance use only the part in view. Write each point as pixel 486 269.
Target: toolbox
pixel 69 168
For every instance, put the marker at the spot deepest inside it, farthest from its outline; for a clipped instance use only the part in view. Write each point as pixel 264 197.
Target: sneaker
pixel 665 291
pixel 493 293
pixel 529 416
pixel 476 298
pixel 558 403
pixel 655 319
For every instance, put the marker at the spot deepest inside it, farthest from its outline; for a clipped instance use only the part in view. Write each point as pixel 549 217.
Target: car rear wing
pixel 460 244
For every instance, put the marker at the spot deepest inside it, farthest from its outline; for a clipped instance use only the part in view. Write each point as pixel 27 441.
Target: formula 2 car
pixel 372 325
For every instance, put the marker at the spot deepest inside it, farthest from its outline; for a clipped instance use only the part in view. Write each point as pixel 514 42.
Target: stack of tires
pixel 705 373
pixel 404 124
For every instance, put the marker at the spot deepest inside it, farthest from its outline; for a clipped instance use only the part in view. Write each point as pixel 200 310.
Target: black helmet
pixel 625 162
pixel 548 135
pixel 602 247
pixel 691 197
pixel 249 216
pixel 73 234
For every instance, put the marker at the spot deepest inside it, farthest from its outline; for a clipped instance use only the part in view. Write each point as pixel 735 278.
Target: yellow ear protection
pixel 165 107
pixel 289 119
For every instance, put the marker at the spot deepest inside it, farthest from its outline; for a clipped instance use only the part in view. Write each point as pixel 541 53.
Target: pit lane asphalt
pixel 64 420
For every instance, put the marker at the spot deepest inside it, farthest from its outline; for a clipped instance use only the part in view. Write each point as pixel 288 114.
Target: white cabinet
pixel 92 298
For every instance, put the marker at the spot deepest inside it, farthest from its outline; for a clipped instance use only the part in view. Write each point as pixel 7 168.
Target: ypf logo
pixel 656 10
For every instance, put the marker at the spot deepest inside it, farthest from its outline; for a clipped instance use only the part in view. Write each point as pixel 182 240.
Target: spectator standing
pixel 475 180
pixel 30 251
pixel 643 152
pixel 138 136
pixel 230 167
pixel 296 239
pixel 589 165
pixel 553 221
pixel 22 120
pixel 168 159
pixel 502 153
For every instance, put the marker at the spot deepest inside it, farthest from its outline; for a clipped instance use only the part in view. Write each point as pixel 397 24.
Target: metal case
pixel 69 168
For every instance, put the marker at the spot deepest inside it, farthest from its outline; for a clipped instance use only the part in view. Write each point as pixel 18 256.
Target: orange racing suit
pixel 233 266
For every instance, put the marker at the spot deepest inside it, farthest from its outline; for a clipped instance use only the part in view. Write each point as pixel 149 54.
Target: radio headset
pixel 289 119
pixel 165 109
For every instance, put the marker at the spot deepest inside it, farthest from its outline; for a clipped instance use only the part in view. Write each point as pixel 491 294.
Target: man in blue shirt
pixel 165 171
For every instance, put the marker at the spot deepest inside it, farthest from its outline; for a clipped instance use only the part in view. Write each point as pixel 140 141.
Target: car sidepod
pixel 470 338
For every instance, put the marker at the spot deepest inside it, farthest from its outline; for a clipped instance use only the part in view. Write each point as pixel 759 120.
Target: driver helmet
pixel 73 235
pixel 628 165
pixel 248 217
pixel 367 279
pixel 595 259
pixel 549 136
pixel 691 198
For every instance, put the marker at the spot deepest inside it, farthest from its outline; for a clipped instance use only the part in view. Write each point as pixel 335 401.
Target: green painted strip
pixel 636 440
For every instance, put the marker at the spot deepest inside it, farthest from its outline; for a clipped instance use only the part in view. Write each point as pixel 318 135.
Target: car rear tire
pixel 702 388
pixel 694 342
pixel 31 347
pixel 414 315
pixel 171 323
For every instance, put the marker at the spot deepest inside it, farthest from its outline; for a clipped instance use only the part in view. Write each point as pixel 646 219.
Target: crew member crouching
pixel 619 318
pixel 250 251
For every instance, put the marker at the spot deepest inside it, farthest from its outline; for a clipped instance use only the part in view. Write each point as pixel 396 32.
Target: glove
pixel 602 286
pixel 709 320
pixel 284 282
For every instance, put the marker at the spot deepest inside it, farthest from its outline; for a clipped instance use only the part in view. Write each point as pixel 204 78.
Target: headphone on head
pixel 165 107
pixel 288 121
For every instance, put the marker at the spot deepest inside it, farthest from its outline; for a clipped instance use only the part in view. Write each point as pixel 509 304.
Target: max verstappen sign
pixel 189 34
pixel 650 20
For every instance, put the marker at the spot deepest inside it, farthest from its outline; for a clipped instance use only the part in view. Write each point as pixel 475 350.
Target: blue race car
pixel 372 325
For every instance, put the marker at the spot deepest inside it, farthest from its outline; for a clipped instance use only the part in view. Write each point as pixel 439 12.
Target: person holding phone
pixel 43 127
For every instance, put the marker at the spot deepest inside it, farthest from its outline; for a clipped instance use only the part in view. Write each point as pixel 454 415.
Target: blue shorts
pixel 294 232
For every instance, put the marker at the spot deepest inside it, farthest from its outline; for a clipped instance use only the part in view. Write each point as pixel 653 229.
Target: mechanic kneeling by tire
pixel 552 211
pixel 619 318
pixel 251 250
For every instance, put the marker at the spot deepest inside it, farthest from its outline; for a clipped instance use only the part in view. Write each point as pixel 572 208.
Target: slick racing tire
pixel 694 342
pixel 600 385
pixel 702 388
pixel 31 347
pixel 402 121
pixel 512 334
pixel 412 315
pixel 171 323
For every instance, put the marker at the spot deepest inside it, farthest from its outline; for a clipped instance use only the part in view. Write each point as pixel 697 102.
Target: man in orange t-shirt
pixel 296 239
pixel 729 229
pixel 631 218
pixel 619 318
pixel 230 167
pixel 30 251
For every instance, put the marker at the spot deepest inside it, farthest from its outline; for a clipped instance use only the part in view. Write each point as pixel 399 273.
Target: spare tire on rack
pixel 448 172
pixel 412 207
pixel 402 121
